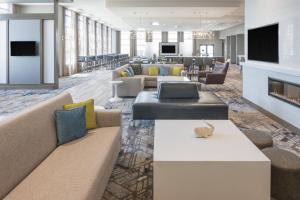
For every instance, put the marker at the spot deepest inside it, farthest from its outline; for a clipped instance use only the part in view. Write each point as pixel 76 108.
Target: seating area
pixel 149 100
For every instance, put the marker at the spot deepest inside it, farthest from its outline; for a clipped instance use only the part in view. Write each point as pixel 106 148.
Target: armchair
pixel 217 76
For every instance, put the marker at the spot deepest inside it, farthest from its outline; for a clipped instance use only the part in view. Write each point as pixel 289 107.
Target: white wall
pixel 3 54
pixel 260 13
pixel 48 51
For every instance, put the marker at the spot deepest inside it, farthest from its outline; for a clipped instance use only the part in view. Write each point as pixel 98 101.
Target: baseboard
pixel 274 117
pixel 28 86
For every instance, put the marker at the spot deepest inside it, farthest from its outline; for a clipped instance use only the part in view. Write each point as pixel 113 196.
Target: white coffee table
pixel 226 166
pixel 115 85
pixel 172 79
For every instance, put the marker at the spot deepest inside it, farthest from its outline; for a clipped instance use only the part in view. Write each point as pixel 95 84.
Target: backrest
pixel 221 68
pixel 178 91
pixel 145 67
pixel 26 140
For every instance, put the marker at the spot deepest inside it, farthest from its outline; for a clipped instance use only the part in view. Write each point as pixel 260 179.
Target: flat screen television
pixel 168 49
pixel 263 44
pixel 23 48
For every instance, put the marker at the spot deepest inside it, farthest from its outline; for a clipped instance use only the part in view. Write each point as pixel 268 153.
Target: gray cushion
pixel 285 172
pixel 178 91
pixel 259 138
pixel 70 124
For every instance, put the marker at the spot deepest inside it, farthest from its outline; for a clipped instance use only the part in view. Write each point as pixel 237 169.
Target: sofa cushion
pixel 26 140
pixel 176 71
pixel 70 124
pixel 178 91
pixel 90 112
pixel 164 71
pixel 130 71
pixel 137 69
pixel 74 171
pixel 153 71
pixel 124 73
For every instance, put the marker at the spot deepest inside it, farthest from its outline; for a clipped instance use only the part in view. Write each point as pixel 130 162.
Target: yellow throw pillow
pixel 89 114
pixel 124 74
pixel 177 71
pixel 153 71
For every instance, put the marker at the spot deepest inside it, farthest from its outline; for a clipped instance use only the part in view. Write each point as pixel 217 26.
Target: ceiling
pixel 172 15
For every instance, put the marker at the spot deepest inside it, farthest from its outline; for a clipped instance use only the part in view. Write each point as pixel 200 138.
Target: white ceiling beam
pixel 34 1
pixel 174 3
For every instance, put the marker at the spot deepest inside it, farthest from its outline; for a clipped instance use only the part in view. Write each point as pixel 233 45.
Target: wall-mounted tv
pixel 263 44
pixel 169 48
pixel 23 48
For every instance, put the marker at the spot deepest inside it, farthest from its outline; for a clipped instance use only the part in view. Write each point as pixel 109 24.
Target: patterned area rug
pixel 133 175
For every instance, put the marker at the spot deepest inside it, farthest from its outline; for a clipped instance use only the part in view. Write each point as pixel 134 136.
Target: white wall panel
pixel 48 39
pixel 255 74
pixel 3 52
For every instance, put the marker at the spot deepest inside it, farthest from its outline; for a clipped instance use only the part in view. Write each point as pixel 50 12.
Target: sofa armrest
pixel 131 86
pixel 108 118
pixel 203 74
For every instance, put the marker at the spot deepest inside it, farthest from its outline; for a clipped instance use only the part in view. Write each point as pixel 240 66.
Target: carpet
pixel 132 176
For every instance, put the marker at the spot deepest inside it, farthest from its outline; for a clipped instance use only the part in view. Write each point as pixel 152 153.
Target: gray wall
pixel 25 69
pixel 217 46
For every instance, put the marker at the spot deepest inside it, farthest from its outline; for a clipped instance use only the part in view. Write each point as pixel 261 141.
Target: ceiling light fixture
pixel 155 23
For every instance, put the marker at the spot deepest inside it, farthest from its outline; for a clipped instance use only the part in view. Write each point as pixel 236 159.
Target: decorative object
pixel 70 124
pixel 90 112
pixel 205 132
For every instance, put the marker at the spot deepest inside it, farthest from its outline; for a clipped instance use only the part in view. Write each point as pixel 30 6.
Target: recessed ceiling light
pixel 155 23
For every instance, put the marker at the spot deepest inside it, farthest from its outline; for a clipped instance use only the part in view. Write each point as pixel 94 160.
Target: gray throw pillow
pixel 70 124
pixel 137 69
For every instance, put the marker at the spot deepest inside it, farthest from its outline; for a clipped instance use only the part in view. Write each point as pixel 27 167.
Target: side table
pixel 115 84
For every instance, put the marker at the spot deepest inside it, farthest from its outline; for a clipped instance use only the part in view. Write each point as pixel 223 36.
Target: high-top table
pixel 226 166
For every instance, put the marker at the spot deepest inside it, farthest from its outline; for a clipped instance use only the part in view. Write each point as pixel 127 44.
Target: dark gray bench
pixel 169 104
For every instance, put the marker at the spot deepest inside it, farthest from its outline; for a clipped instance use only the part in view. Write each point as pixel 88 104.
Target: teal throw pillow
pixel 164 71
pixel 131 72
pixel 70 124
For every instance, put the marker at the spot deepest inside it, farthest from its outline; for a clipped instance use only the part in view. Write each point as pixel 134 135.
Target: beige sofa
pixel 32 167
pixel 132 86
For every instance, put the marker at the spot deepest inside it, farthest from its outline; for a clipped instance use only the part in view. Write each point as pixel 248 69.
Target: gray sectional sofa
pixel 33 167
pixel 178 101
pixel 132 86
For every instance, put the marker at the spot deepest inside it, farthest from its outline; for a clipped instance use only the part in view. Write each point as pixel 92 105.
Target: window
pixel 172 36
pixel 109 40
pixel 104 42
pixel 82 36
pixel 187 45
pixel 99 39
pixel 70 42
pixel 141 43
pixel 5 8
pixel 92 39
pixel 206 50
pixel 125 42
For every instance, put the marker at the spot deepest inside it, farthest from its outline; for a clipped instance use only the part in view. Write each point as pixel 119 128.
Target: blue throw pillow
pixel 164 71
pixel 131 72
pixel 70 124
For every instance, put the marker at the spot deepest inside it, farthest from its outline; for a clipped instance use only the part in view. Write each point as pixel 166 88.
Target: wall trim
pixel 274 117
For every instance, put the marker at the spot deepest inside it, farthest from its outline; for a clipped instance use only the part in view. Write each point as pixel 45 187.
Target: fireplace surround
pixel 285 91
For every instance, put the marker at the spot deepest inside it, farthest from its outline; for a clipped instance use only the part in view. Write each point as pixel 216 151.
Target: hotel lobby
pixel 149 99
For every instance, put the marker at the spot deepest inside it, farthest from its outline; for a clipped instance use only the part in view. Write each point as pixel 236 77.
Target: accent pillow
pixel 130 71
pixel 153 71
pixel 177 71
pixel 164 71
pixel 90 112
pixel 70 124
pixel 137 69
pixel 124 74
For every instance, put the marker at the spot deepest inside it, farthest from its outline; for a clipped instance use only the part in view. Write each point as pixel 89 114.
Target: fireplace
pixel 285 91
